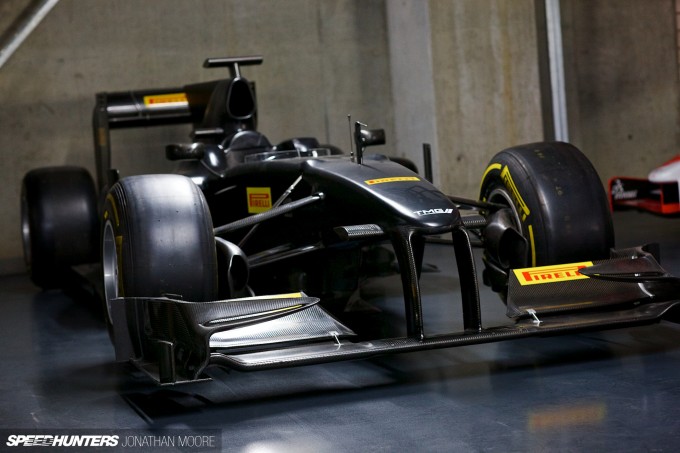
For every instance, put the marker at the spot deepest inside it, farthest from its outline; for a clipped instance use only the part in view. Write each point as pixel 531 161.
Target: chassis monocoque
pixel 246 256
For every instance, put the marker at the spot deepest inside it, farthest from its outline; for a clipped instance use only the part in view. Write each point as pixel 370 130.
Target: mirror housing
pixel 364 138
pixel 184 151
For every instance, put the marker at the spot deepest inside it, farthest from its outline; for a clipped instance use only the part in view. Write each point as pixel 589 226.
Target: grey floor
pixel 599 391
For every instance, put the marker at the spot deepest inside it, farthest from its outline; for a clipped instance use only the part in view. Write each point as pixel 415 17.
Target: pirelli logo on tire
pixel 551 274
pixel 522 207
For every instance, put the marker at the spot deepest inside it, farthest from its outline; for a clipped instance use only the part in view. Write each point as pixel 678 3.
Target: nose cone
pixel 383 192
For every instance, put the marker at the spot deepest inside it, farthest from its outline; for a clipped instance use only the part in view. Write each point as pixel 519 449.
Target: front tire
pixel 557 201
pixel 157 239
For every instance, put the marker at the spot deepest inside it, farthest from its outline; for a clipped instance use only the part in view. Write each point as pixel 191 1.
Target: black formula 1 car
pixel 248 255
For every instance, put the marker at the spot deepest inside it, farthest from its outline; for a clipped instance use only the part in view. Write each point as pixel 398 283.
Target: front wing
pixel 175 341
pixel 636 193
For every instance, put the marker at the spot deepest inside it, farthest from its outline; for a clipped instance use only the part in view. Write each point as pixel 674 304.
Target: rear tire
pixel 558 203
pixel 157 239
pixel 59 222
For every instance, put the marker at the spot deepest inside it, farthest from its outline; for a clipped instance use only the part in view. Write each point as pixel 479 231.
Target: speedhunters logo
pixel 112 440
pixel 65 440
pixel 432 211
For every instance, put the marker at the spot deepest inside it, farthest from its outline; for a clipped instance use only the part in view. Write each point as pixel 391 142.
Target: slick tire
pixel 59 222
pixel 558 203
pixel 157 239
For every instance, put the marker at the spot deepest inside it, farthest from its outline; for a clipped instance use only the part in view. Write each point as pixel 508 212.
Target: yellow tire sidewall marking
pixel 532 246
pixel 522 207
pixel 488 170
pixel 110 199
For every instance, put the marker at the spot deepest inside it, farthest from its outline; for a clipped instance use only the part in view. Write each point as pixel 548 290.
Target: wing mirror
pixel 182 151
pixel 364 138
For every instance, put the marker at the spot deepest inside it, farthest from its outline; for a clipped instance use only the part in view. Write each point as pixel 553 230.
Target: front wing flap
pixel 174 341
pixel 631 277
pixel 171 339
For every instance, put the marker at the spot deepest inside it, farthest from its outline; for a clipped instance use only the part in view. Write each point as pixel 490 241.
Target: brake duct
pixel 505 245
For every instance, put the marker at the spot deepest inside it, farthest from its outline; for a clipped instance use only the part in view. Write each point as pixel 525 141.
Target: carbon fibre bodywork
pixel 307 219
pixel 175 341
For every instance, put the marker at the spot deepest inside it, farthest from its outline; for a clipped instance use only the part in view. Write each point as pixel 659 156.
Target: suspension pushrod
pixel 263 216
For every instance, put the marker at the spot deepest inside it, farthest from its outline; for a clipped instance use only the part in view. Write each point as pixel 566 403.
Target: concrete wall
pixel 465 80
pixel 622 82
pixel 486 84
pixel 413 91
pixel 459 74
pixel 323 60
pixel 485 93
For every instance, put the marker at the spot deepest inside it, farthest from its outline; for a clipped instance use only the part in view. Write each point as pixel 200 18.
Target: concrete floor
pixel 603 391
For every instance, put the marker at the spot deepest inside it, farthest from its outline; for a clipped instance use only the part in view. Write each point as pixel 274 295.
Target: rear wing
pixel 157 107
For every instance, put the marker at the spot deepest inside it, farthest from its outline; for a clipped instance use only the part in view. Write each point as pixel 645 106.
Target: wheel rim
pixel 500 196
pixel 25 229
pixel 110 267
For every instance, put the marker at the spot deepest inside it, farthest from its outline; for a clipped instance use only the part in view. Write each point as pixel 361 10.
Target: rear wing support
pixel 133 109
